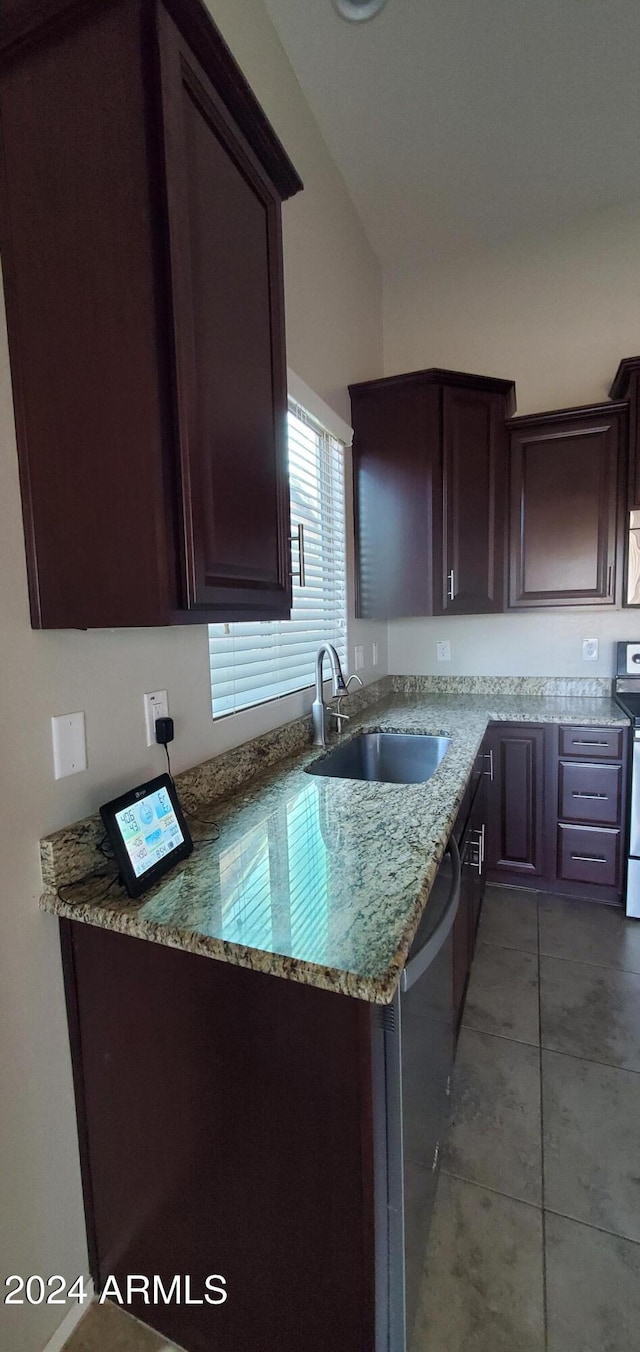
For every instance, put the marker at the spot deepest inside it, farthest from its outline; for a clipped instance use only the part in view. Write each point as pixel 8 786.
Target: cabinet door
pixel 227 290
pixel 515 790
pixel 396 457
pixel 473 486
pixel 564 509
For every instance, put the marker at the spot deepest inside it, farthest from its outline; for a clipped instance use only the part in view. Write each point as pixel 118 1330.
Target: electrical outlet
pixel 358 654
pixel 443 650
pixel 374 654
pixel 156 705
pixel 590 650
pixel 69 745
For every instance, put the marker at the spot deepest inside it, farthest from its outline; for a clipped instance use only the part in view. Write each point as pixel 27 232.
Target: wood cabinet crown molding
pixel 628 367
pixel 28 22
pixel 437 375
pixel 603 408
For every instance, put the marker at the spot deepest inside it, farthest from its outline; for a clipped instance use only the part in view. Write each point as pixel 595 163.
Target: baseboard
pixel 70 1321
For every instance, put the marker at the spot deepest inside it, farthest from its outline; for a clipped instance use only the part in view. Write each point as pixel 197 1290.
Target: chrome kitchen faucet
pixel 339 687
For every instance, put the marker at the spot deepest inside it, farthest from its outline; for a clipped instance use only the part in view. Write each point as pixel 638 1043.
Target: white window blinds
pixel 259 661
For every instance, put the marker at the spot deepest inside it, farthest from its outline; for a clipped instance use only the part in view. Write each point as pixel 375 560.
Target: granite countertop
pixel 322 880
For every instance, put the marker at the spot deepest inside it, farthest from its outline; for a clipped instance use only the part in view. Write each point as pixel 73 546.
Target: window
pixel 254 662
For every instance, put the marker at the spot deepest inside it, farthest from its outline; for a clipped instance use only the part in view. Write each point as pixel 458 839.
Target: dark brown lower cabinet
pixel 557 808
pixel 225 1122
pixel 514 772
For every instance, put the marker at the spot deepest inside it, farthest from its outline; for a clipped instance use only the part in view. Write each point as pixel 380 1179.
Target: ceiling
pixel 458 123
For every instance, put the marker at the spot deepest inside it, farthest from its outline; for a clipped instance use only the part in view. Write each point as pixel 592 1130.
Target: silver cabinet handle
pixel 590 858
pixel 452 585
pixel 297 537
pixel 488 755
pixel 609 579
pixel 593 797
pixel 577 742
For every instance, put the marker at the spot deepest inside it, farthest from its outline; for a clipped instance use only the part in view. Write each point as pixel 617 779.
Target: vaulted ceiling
pixel 458 123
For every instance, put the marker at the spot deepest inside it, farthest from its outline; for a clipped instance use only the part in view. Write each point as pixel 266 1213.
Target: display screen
pixel 149 830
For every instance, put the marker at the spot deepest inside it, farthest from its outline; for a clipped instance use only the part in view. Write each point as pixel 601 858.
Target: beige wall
pixel 555 313
pixel 333 301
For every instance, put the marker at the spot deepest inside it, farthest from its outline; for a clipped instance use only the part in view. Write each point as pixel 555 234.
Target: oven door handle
pixel 431 947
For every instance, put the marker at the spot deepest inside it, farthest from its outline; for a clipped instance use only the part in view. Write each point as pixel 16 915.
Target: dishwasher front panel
pixel 418 1058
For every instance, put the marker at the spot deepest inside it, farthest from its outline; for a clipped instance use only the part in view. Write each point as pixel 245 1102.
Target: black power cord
pixel 164 735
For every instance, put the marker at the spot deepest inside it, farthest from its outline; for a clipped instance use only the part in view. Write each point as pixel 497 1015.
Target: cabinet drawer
pixel 590 793
pixel 589 854
pixel 596 743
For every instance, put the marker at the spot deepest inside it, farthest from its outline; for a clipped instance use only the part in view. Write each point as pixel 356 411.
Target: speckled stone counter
pixel 319 880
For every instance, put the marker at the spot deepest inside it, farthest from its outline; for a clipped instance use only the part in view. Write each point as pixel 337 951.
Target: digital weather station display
pixel 150 830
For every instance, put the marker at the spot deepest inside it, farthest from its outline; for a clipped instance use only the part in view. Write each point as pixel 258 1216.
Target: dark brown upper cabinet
pixel 626 385
pixel 141 246
pixel 567 506
pixel 430 463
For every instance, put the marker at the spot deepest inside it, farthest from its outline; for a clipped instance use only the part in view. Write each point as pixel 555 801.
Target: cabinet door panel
pixel 396 466
pixel 515 831
pixel 474 470
pixel 225 245
pixel 564 499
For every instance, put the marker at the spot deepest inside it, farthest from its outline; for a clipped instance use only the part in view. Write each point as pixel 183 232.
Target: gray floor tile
pixel 503 994
pixel 483 1284
pixel 108 1328
pixel 585 931
pixel 496 1132
pixel 591 1011
pixel 591 1116
pixel 509 918
pixel 593 1289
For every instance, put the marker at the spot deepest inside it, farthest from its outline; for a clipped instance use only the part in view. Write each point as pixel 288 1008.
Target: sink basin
pixel 384 757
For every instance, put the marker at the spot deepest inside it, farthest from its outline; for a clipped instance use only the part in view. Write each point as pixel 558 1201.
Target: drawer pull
pixel 577 742
pixel 590 858
pixel 593 797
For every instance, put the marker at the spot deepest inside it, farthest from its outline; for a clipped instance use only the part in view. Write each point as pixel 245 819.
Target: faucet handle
pixel 339 717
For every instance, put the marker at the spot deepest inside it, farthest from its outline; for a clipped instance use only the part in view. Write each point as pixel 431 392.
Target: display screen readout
pixel 149 830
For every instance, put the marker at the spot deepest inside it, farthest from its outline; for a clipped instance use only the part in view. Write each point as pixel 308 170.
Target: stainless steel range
pixel 627 695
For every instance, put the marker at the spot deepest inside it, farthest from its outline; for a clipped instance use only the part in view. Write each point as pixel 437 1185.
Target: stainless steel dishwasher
pixel 413 1046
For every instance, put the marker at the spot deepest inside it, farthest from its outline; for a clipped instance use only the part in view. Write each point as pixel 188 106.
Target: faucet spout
pixel 338 687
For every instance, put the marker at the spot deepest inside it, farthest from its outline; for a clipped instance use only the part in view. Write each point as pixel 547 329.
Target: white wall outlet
pixel 69 745
pixel 358 654
pixel 156 705
pixel 589 650
pixel 443 650
pixel 374 654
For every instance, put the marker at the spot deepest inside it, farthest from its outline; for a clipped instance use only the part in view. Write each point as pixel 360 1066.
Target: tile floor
pixel 535 1243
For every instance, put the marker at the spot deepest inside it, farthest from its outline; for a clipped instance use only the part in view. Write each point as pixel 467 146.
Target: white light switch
pixel 156 705
pixel 69 745
pixel 590 650
pixel 443 650
pixel 374 654
pixel 358 653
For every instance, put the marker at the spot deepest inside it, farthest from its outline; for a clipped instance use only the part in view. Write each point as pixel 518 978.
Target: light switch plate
pixel 443 650
pixel 69 744
pixel 590 650
pixel 358 654
pixel 374 654
pixel 156 705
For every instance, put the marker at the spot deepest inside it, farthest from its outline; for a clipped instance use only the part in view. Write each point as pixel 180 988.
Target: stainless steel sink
pixel 385 757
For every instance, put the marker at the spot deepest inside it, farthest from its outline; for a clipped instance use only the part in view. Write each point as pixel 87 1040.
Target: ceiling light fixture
pixel 356 11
